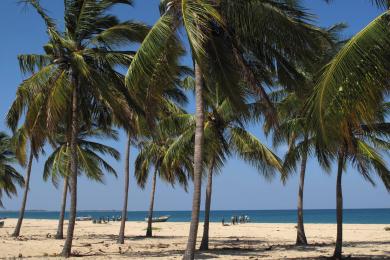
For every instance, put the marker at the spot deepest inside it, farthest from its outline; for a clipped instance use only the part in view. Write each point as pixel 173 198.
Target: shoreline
pixel 243 241
pixel 351 216
pixel 217 210
pixel 201 222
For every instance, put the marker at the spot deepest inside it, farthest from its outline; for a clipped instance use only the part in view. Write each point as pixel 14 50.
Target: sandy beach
pixel 245 241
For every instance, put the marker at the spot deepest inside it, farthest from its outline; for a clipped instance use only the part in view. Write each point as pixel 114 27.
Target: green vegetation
pixel 255 61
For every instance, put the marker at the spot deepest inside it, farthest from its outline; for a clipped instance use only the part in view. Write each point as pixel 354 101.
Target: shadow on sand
pixel 232 246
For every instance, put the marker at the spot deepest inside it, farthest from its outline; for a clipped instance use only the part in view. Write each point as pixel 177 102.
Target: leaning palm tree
pixel 152 154
pixel 91 162
pixel 34 138
pixel 78 70
pixel 222 36
pixel 121 236
pixel 9 177
pixel 20 140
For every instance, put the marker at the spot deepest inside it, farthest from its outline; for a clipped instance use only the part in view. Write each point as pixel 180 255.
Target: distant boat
pixel 88 218
pixel 159 219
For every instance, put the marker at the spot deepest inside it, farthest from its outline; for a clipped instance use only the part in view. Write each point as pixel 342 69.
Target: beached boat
pixel 88 218
pixel 159 219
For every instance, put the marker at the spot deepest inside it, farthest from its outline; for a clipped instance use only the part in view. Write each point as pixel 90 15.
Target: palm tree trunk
pixel 339 206
pixel 121 237
pixel 24 201
pixel 198 160
pixel 301 237
pixel 149 232
pixel 204 245
pixel 60 228
pixel 66 251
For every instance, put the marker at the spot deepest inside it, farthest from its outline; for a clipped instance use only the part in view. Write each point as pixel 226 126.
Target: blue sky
pixel 237 187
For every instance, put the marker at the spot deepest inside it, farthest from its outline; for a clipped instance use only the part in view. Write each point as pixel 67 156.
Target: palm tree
pixel 196 18
pixel 89 154
pixel 20 141
pixel 293 128
pixel 9 177
pixel 121 236
pixel 225 135
pixel 347 96
pixel 78 70
pixel 210 35
pixel 153 153
pixel 363 151
pixel 302 142
pixel 159 95
pixel 30 134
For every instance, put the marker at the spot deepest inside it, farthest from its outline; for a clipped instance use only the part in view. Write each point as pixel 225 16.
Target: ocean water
pixel 352 216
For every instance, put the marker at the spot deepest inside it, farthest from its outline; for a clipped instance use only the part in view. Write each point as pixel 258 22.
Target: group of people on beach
pixel 106 220
pixel 234 220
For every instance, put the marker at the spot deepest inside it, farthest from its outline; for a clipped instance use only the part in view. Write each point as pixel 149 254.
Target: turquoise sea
pixel 352 216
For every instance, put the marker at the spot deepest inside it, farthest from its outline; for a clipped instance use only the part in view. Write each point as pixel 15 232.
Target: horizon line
pixel 119 210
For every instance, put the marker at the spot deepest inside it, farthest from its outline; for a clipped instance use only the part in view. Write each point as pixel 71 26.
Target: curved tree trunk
pixel 301 237
pixel 24 201
pixel 339 205
pixel 60 228
pixel 121 237
pixel 66 251
pixel 204 245
pixel 149 232
pixel 198 154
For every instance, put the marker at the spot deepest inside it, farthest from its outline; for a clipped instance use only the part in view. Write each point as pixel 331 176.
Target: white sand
pixel 245 241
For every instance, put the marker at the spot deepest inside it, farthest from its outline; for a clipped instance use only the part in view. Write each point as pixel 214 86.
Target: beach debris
pixel 100 242
pixel 20 255
pixel 125 251
pixel 76 253
pixel 162 245
pixel 79 254
pixel 387 228
pixel 102 251
pixel 83 245
pixel 48 235
pixel 21 238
